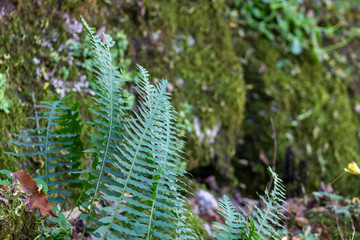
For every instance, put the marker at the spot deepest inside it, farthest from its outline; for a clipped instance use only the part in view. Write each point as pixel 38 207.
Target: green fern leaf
pixel 56 144
pixel 109 122
pixel 151 165
pixel 233 227
pixel 137 159
pixel 262 223
pixel 266 219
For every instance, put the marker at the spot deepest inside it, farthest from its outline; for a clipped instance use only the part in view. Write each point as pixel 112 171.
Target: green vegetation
pixel 310 109
pixel 261 225
pixel 130 153
pixel 231 65
pixel 5 103
pixel 288 18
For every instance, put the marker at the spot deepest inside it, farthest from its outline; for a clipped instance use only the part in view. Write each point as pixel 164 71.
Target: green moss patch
pixel 191 42
pixel 311 112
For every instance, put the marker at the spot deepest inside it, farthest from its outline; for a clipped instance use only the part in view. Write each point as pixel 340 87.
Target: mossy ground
pixel 31 30
pixel 16 222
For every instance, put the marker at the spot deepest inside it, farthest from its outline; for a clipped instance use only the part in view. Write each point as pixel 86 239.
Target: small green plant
pixel 19 219
pixel 260 224
pixel 286 18
pixel 5 103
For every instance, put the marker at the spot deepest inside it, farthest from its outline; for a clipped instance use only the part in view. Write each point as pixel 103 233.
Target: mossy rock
pixel 311 113
pixel 194 52
pixel 31 30
pixel 16 223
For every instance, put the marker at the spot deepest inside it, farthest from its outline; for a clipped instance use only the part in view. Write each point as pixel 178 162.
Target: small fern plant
pixel 261 223
pixel 58 145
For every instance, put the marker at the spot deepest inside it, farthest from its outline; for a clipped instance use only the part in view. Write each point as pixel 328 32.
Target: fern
pixel 233 227
pixel 57 143
pixel 109 120
pixel 262 222
pixel 150 167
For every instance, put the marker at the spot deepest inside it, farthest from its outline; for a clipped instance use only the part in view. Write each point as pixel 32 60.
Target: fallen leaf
pixel 301 221
pixel 324 233
pixel 36 199
pixel 233 25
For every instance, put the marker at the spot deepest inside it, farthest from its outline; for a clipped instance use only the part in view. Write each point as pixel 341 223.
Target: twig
pixel 275 152
pixel 336 216
pixel 337 178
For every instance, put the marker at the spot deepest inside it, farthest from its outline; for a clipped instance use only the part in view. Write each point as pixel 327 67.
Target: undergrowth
pixel 134 187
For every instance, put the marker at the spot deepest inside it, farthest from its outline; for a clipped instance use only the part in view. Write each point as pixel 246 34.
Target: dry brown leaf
pixel 36 199
pixel 324 233
pixel 301 221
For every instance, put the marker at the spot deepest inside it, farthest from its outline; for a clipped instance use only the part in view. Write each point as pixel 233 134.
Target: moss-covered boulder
pixel 311 113
pixel 16 222
pixel 191 42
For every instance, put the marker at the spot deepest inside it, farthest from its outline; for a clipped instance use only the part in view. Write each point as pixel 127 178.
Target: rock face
pixel 192 43
pixel 310 109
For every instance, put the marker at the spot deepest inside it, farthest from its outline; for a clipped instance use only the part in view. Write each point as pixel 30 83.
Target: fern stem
pixel 264 218
pixel 166 157
pixel 47 140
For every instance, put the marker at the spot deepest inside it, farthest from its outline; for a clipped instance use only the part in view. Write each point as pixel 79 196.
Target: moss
pixel 195 53
pixel 31 30
pixel 15 221
pixel 311 112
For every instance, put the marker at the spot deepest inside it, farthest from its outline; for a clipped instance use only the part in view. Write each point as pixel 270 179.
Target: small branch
pixel 275 152
pixel 337 178
pixel 336 216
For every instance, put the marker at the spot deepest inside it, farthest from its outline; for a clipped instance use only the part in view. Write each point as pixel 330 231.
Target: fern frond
pixel 150 191
pixel 137 158
pixel 233 227
pixel 109 119
pixel 262 223
pixel 58 145
pixel 183 229
pixel 266 219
